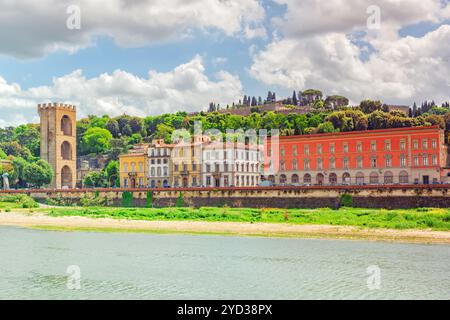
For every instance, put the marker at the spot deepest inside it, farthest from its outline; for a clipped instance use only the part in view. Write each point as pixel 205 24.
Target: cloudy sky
pixel 146 57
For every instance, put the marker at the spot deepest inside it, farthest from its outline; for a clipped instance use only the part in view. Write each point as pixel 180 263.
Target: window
pixel 294 151
pixel 416 161
pixel 152 172
pixel 360 162
pixel 402 160
pixel 141 167
pixel 282 165
pixel 194 181
pixel 387 145
pixel 403 177
pixel 359 147
pixel 208 181
pixel 373 162
pixel 282 152
pixel 373 145
pixel 165 171
pixel 425 160
pixel 225 181
pixel 332 163
pixel 125 182
pixel 402 145
pixel 176 167
pixel 194 167
pixel 345 163
pixel 345 147
pixel 424 144
pixel 306 149
pixel 415 144
pixel 158 172
pixel 388 161
pixel 133 167
pixel 294 164
pixel 319 164
pixel 319 149
pixel 434 160
pixel 332 149
pixel 306 164
pixel 434 144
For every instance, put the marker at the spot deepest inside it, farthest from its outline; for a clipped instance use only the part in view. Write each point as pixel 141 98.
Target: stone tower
pixel 59 142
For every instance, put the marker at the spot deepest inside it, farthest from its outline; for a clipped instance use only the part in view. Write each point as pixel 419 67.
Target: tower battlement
pixel 56 105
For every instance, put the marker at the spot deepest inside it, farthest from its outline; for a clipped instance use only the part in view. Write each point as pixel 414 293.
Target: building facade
pixel 158 162
pixel 388 156
pixel 186 162
pixel 133 173
pixel 59 143
pixel 230 164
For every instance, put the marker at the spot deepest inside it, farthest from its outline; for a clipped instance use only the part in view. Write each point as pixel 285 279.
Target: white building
pixel 230 164
pixel 159 164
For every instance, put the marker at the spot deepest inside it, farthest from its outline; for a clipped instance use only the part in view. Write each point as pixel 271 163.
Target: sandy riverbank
pixel 73 223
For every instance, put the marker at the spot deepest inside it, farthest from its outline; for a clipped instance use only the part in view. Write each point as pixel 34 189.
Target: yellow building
pixel 186 164
pixel 133 168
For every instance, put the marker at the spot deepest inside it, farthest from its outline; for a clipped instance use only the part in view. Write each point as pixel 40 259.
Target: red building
pixel 387 156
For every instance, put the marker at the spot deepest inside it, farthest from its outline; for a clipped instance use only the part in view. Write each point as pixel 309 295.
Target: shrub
pixel 149 201
pixel 21 200
pixel 180 201
pixel 92 201
pixel 346 200
pixel 127 199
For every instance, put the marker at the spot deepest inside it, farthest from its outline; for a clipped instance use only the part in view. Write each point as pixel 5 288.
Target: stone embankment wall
pixel 394 196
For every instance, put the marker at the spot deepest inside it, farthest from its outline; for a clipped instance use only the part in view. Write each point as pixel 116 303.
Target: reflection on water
pixel 33 265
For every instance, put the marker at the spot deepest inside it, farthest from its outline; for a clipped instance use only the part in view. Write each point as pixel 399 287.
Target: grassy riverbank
pixel 420 218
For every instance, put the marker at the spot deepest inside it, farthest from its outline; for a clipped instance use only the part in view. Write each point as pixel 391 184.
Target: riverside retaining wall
pixel 395 196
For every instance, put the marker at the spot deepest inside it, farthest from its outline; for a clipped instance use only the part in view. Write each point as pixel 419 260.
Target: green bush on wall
pixel 346 200
pixel 127 199
pixel 149 202
pixel 180 201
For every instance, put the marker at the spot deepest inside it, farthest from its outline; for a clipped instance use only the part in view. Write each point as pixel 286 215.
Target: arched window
pixel 294 178
pixel 388 177
pixel 332 178
pixel 373 178
pixel 403 177
pixel 319 179
pixel 66 126
pixel 346 178
pixel 272 178
pixel 307 178
pixel 283 179
pixel 66 177
pixel 360 178
pixel 66 151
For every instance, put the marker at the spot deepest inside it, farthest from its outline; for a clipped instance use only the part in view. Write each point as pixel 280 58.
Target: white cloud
pixel 30 28
pixel 186 88
pixel 316 51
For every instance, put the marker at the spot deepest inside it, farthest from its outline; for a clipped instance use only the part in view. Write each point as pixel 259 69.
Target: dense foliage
pixel 115 135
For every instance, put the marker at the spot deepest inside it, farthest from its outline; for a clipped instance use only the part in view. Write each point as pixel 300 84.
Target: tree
pixel 294 99
pixel 19 165
pixel 378 120
pixel 254 102
pixel 369 106
pixel 96 140
pixel 112 173
pixel 15 149
pixel 29 136
pixel 38 173
pixel 94 179
pixel 113 126
pixel 326 127
pixel 335 102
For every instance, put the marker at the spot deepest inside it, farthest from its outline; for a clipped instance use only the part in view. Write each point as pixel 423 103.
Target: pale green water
pixel 33 265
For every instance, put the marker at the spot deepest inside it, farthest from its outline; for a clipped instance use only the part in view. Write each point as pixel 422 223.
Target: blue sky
pixel 203 55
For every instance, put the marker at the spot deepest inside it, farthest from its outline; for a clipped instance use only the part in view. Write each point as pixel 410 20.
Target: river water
pixel 38 264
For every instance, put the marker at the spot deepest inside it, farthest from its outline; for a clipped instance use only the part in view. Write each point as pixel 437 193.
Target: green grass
pixel 420 218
